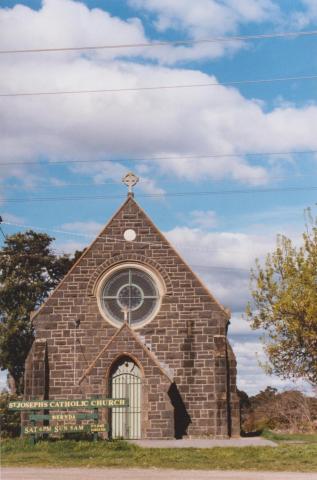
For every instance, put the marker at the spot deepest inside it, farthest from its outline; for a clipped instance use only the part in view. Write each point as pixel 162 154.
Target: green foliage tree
pixel 29 270
pixel 10 420
pixel 284 306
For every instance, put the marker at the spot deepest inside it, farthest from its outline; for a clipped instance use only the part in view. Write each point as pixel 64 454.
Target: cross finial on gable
pixel 130 180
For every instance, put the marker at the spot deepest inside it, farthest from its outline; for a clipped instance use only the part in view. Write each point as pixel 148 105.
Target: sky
pixel 223 168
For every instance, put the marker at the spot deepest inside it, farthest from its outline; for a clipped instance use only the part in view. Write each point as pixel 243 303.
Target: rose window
pixel 130 294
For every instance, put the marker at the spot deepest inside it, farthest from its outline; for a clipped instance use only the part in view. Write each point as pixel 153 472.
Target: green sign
pixel 64 417
pixel 66 428
pixel 69 404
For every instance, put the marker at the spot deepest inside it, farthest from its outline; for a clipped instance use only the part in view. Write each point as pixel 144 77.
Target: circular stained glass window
pixel 130 294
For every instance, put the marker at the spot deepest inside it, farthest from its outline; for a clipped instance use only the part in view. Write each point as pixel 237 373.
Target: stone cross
pixel 130 180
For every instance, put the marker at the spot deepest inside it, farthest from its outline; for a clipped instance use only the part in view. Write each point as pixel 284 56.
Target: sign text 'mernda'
pixel 68 404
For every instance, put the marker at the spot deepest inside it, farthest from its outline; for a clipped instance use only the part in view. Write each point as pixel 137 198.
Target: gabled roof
pixel 35 313
pixel 226 311
pixel 128 200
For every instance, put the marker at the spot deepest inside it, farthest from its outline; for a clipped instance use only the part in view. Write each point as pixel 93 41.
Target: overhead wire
pixel 165 157
pixel 44 229
pixel 62 253
pixel 67 184
pixel 156 44
pixel 3 234
pixel 142 181
pixel 162 195
pixel 112 240
pixel 158 87
pixel 200 267
pixel 218 39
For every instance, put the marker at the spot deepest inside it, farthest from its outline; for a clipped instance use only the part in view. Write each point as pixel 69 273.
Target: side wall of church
pixel 183 336
pixel 36 378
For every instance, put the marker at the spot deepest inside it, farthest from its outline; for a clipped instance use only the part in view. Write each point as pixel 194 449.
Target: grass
pixel 290 437
pixel 71 453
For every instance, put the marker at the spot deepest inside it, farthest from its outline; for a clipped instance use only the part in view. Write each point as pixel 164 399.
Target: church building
pixel 132 320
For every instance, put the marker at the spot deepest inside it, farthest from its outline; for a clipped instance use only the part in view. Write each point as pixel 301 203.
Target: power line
pixel 44 186
pixel 206 268
pixel 158 87
pixel 218 267
pixel 201 267
pixel 69 184
pixel 169 157
pixel 219 39
pixel 158 195
pixel 1 221
pixel 53 230
pixel 113 240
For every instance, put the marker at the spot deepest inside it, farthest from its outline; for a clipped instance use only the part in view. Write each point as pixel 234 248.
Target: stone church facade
pixel 131 319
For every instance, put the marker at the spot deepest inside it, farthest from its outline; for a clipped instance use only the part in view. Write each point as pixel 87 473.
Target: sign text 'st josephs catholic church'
pixel 131 320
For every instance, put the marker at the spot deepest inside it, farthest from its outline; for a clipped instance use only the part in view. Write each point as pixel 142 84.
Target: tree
pixel 284 305
pixel 10 420
pixel 29 270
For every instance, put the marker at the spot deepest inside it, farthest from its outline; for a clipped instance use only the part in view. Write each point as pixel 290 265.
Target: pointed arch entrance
pixel 126 382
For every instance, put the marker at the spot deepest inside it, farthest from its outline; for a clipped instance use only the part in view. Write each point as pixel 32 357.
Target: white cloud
pixel 239 325
pixel 69 246
pixel 251 377
pixel 202 17
pixel 11 218
pixel 224 249
pixel 230 287
pixel 162 123
pixel 311 6
pixel 287 213
pixel 303 18
pixel 86 228
pixel 223 259
pixel 61 23
pixel 57 182
pixel 209 18
pixel 71 23
pixel 203 219
pixel 149 186
pixel 103 171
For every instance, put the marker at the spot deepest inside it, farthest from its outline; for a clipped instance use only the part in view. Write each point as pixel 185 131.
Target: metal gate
pixel 126 383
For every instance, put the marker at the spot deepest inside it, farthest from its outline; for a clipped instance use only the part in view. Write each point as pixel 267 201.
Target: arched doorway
pixel 126 382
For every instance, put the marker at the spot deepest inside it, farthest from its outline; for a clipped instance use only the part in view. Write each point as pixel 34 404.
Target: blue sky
pixel 162 135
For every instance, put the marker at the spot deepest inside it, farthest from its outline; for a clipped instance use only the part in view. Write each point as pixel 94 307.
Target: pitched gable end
pixel 150 243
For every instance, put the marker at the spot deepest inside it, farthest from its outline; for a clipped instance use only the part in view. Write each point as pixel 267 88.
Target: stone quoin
pixel 131 320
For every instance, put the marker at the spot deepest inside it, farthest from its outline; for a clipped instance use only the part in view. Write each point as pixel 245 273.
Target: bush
pixel 289 411
pixel 10 421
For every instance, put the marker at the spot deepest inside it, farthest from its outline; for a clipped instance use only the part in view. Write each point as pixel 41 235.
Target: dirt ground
pixel 144 474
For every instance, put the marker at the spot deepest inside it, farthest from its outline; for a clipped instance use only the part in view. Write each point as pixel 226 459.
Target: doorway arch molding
pixel 123 258
pixel 116 360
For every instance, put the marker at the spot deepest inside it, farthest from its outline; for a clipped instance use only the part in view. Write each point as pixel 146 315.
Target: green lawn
pixel 70 453
pixel 291 437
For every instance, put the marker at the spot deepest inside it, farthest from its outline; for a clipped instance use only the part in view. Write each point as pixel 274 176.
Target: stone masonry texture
pixel 188 367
